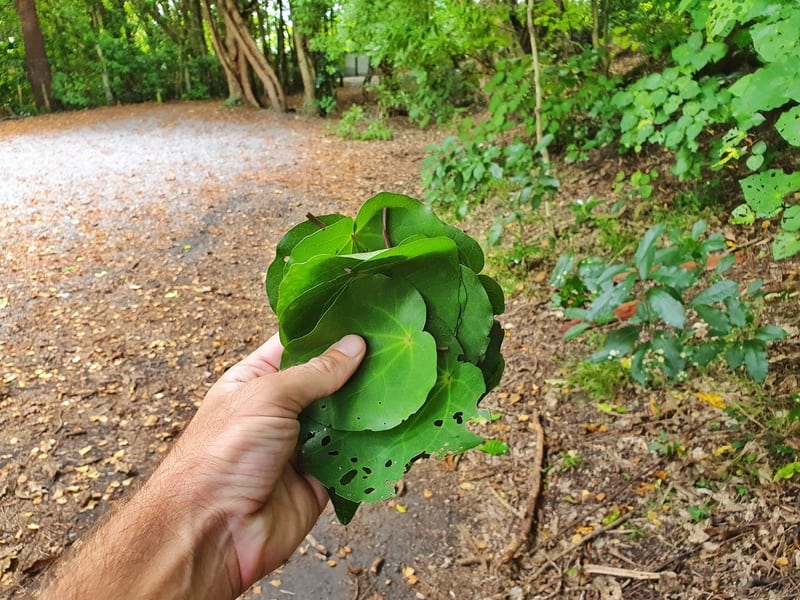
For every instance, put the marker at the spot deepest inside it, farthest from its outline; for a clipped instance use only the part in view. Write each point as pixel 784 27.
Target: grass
pixel 600 380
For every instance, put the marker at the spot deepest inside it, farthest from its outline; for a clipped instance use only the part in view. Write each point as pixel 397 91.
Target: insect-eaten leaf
pixel 410 285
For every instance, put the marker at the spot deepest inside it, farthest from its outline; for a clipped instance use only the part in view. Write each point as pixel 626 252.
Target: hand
pixel 228 504
pixel 239 449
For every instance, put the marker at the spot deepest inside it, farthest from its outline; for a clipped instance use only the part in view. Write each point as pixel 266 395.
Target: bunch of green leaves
pixel 684 316
pixel 575 107
pixel 411 286
pixel 757 97
pixel 354 125
pixel 672 108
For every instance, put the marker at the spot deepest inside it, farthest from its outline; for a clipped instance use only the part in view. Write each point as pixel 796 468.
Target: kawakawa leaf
pixel 359 465
pixel 405 217
pixel 430 264
pixel 476 317
pixel 390 316
pixel 411 286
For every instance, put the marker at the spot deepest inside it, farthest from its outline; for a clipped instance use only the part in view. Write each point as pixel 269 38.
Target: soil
pixel 135 242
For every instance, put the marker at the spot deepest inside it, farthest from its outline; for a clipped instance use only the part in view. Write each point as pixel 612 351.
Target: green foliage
pixel 425 54
pixel 575 109
pixel 713 116
pixel 494 447
pixel 787 471
pixel 101 53
pixel 569 460
pixel 496 157
pixel 354 125
pixel 698 513
pixel 684 318
pixel 465 171
pixel 673 108
pixel 410 285
pixel 15 96
pixel 665 446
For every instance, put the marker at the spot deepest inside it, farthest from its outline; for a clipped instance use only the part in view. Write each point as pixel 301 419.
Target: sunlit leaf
pixel 390 316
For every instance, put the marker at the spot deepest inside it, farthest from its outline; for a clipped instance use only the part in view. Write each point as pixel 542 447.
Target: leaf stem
pixel 384 227
pixel 316 220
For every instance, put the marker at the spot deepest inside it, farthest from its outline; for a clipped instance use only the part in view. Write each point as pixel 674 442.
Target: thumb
pixel 298 386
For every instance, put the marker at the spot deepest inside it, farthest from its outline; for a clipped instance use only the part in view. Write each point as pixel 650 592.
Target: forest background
pixel 713 83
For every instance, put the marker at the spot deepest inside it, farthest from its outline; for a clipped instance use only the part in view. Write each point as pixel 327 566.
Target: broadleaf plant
pixel 668 309
pixel 411 286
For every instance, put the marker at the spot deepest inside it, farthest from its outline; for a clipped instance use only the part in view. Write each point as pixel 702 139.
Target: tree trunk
pixel 255 57
pixel 537 82
pixel 240 60
pixel 224 55
pixel 306 64
pixel 36 63
pixel 97 17
pixel 281 63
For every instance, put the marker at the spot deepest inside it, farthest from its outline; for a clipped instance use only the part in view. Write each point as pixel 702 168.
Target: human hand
pixel 236 455
pixel 228 504
pixel 239 449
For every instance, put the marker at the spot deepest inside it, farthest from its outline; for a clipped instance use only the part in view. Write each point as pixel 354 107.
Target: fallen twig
pixel 591 569
pixel 585 539
pixel 526 530
pixel 478 553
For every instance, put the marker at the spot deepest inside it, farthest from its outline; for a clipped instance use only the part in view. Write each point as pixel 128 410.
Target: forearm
pixel 159 545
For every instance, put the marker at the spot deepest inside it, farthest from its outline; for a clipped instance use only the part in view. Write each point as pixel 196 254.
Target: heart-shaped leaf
pixel 390 316
pixel 284 248
pixel 389 219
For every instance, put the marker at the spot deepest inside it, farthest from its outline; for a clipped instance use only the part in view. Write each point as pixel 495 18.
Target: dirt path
pixel 135 240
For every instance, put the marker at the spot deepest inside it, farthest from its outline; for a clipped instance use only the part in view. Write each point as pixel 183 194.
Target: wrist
pixel 195 546
pixel 161 544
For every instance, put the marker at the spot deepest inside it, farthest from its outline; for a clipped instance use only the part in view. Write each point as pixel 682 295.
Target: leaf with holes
pixel 411 286
pixel 365 465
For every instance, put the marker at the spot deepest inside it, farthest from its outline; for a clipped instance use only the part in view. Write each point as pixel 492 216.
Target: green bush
pixel 682 316
pixel 728 89
pixel 354 125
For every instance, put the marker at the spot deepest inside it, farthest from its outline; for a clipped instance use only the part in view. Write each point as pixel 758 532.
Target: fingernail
pixel 351 345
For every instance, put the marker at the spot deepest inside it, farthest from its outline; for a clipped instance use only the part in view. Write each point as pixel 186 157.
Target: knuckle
pixel 325 366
